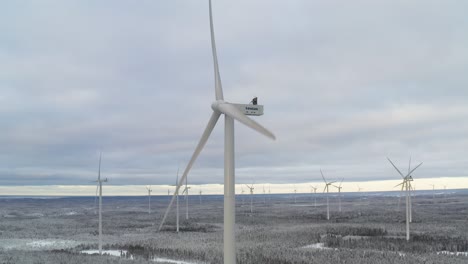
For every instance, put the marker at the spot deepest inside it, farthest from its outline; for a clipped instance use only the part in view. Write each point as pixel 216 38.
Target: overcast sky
pixel 344 83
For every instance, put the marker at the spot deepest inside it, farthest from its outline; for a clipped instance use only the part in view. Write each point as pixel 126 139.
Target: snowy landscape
pixel 370 229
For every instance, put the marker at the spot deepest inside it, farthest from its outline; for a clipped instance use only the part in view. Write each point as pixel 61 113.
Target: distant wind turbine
pixel 313 189
pixel 295 192
pixel 99 186
pixel 251 188
pixel 176 193
pixel 200 195
pixel 433 193
pixel 339 194
pixel 406 184
pixel 231 112
pixel 327 184
pixel 243 198
pixel 148 188
pixel 186 192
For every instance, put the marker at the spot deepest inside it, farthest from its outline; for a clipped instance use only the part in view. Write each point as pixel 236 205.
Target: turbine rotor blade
pixel 206 134
pixel 323 177
pixel 399 184
pixel 396 168
pixel 234 112
pixel 218 86
pixel 414 169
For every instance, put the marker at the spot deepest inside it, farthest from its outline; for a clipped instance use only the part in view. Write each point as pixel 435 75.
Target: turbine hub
pixel 215 105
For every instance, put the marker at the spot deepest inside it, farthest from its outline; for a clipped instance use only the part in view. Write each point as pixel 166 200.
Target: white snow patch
pixel 71 213
pixel 166 260
pixel 316 246
pixel 110 252
pixel 41 244
pixel 445 252
pixel 120 253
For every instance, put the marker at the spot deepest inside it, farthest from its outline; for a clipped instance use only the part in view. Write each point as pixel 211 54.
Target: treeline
pixel 355 231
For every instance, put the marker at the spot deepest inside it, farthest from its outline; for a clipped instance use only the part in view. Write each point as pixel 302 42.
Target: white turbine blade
pixel 414 169
pixel 206 134
pixel 234 112
pixel 323 177
pixel 218 86
pixel 99 170
pixel 325 188
pixel 409 165
pixel 399 185
pixel 396 168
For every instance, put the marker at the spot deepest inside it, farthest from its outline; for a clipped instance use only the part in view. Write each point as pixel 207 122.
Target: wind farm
pixel 290 125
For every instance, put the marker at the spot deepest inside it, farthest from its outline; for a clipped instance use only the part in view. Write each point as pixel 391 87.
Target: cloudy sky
pixel 344 83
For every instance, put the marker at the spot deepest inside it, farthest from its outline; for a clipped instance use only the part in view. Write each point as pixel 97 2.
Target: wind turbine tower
pixel 99 186
pixel 251 187
pixel 200 196
pixel 295 193
pixel 186 191
pixel 148 188
pixel 406 185
pixel 339 195
pixel 313 189
pixel 327 184
pixel 231 112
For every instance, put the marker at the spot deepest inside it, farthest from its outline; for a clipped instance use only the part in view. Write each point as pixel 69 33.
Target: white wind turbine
pixel 339 194
pixel 200 196
pixel 360 197
pixel 186 192
pixel 295 192
pixel 242 192
pixel 313 189
pixel 251 188
pixel 433 193
pixel 99 186
pixel 269 193
pixel 406 184
pixel 327 184
pixel 148 188
pixel 231 112
pixel 176 194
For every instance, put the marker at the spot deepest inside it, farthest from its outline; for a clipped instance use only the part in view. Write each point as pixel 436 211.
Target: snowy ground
pixel 367 231
pixel 41 244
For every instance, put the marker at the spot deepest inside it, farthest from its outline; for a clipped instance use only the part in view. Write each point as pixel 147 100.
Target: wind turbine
pixel 231 112
pixel 176 194
pixel 269 193
pixel 251 187
pixel 200 196
pixel 327 184
pixel 360 198
pixel 186 191
pixel 406 184
pixel 339 194
pixel 148 188
pixel 242 192
pixel 99 186
pixel 433 193
pixel 295 192
pixel 313 189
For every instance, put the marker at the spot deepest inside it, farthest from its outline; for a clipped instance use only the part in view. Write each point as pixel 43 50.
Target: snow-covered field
pixel 278 231
pixel 40 244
